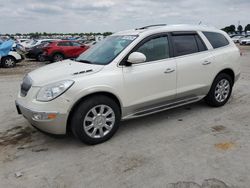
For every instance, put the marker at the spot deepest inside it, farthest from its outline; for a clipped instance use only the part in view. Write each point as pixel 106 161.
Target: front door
pixel 152 83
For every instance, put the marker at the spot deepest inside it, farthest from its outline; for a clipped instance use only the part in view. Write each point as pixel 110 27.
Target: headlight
pixel 52 91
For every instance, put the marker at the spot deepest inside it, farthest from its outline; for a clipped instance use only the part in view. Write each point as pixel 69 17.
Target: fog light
pixel 37 116
pixel 42 116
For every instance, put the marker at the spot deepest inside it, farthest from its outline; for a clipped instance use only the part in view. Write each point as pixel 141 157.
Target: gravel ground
pixel 189 147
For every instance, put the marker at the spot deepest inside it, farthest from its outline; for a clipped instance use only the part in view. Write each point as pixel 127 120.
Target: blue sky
pixel 114 15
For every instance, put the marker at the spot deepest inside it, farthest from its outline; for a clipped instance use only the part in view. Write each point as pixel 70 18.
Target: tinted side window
pixel 217 40
pixel 155 49
pixel 64 44
pixel 75 44
pixel 184 44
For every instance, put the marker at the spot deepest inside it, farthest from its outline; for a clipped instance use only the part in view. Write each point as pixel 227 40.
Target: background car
pixel 11 59
pixel 59 50
pixel 38 42
pixel 90 43
pixel 36 52
pixel 9 56
pixel 245 40
pixel 237 38
pixel 26 43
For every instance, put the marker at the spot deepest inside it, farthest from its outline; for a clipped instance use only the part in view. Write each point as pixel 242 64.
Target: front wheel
pixel 8 62
pixel 220 91
pixel 96 120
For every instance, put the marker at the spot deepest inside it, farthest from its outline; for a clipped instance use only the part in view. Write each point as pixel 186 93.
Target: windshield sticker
pixel 129 37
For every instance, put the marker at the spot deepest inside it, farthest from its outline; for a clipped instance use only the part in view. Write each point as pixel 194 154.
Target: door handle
pixel 206 63
pixel 169 70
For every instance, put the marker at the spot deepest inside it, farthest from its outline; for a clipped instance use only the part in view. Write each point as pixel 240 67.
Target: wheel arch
pixel 229 72
pixel 58 52
pixel 9 56
pixel 74 107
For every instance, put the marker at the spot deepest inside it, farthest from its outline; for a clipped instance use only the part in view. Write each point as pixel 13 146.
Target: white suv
pixel 130 74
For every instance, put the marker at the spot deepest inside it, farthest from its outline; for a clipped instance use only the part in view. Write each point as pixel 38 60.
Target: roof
pixel 167 28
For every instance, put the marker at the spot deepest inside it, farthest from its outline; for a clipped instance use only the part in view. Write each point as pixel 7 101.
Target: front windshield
pixel 107 50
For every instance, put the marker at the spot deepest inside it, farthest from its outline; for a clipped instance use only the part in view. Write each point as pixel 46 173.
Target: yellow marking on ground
pixel 225 146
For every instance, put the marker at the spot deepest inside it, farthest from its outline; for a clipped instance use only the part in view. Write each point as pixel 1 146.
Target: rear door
pixel 194 64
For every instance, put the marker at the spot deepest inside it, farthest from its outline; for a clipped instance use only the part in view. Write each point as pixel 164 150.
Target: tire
pixel 57 57
pixel 8 62
pixel 40 58
pixel 94 129
pixel 220 91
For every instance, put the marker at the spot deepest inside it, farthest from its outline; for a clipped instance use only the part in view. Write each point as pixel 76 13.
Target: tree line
pixel 39 34
pixel 228 29
pixel 232 28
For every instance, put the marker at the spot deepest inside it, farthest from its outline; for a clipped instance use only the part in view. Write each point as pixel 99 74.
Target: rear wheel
pixel 220 91
pixel 57 57
pixel 8 62
pixel 96 120
pixel 40 58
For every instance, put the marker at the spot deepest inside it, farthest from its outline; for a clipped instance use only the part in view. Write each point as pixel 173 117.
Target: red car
pixel 63 49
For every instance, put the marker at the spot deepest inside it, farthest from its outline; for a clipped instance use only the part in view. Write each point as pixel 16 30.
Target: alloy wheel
pixel 222 90
pixel 9 62
pixel 99 121
pixel 58 58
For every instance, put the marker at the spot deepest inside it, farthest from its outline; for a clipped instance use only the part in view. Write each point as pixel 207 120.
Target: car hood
pixel 64 70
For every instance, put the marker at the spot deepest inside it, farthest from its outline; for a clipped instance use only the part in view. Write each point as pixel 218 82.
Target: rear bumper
pixel 56 125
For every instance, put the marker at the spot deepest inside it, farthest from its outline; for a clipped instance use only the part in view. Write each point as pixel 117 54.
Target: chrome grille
pixel 26 85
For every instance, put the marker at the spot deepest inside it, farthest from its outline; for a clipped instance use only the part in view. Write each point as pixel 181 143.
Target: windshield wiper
pixel 84 61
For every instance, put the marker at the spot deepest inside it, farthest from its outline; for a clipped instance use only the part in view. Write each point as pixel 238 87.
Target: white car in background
pixel 26 42
pixel 237 38
pixel 245 40
pixel 22 40
pixel 11 59
pixel 36 42
pixel 32 42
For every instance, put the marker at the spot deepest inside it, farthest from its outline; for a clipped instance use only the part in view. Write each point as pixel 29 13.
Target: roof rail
pixel 148 26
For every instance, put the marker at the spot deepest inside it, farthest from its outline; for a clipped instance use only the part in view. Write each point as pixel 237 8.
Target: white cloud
pixel 114 15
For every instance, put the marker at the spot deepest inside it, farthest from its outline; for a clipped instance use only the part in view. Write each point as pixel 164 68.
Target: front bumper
pixel 22 58
pixel 56 125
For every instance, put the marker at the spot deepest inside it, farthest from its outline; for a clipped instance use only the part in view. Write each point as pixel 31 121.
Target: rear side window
pixel 155 49
pixel 217 40
pixel 184 44
pixel 75 44
pixel 64 44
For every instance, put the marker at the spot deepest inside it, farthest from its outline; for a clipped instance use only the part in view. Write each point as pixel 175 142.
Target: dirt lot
pixel 188 147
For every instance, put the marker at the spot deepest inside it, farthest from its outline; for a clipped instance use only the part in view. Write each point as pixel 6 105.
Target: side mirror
pixel 136 57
